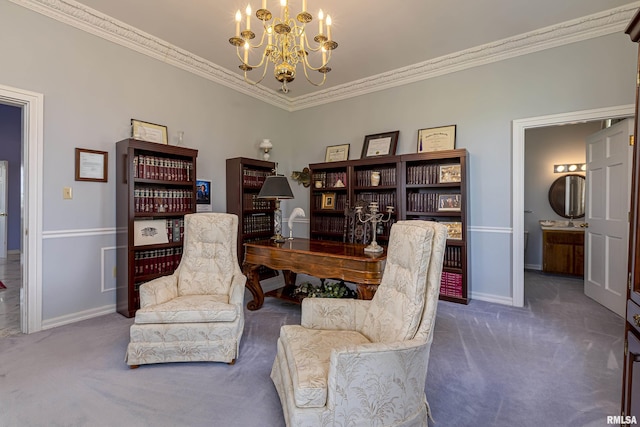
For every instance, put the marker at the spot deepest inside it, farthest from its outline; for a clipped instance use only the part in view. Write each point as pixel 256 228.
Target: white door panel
pixel 608 183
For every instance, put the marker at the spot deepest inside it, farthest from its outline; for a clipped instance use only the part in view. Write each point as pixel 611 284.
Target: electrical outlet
pixel 67 193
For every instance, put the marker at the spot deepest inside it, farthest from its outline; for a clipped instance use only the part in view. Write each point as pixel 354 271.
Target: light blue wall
pixel 92 88
pixel 10 150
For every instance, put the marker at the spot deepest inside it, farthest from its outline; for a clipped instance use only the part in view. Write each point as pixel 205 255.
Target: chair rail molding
pixel 94 22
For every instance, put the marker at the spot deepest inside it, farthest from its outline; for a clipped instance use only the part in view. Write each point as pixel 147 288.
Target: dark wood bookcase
pixel 255 216
pixel 429 186
pixel 153 182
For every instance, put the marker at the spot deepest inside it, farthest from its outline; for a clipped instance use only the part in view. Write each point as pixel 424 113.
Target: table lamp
pixel 276 188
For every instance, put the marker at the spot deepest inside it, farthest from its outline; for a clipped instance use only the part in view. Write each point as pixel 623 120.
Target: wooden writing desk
pixel 318 258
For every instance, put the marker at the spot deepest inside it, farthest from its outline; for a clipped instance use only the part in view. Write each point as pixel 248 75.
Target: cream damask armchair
pixel 196 313
pixel 364 363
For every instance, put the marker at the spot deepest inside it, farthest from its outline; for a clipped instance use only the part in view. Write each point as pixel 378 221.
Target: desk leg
pixel 253 284
pixel 289 277
pixel 366 291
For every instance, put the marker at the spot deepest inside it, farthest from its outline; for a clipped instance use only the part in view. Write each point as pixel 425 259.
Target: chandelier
pixel 284 43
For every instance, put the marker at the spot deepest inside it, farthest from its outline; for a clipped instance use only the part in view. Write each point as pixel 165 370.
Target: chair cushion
pixel 189 309
pixel 308 352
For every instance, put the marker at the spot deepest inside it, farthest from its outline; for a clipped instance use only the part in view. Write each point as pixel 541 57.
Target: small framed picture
pixel 454 230
pixel 449 202
pixel 328 200
pixel 149 132
pixel 203 195
pixel 336 153
pixel 150 232
pixel 91 165
pixel 449 173
pixel 437 139
pixel 381 144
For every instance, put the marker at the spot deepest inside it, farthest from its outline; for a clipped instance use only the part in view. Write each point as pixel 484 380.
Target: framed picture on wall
pixel 381 144
pixel 437 139
pixel 203 195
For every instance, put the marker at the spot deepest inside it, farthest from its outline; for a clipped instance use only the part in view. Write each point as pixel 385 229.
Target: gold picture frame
pixel 449 173
pixel 91 165
pixel 454 230
pixel 337 153
pixel 150 132
pixel 437 139
pixel 328 201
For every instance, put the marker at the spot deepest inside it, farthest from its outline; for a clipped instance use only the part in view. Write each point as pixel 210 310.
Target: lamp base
pixel 374 247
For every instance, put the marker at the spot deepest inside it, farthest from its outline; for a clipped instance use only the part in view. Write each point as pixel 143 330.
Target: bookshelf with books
pixel 255 216
pixel 434 187
pixel 330 185
pixel 155 188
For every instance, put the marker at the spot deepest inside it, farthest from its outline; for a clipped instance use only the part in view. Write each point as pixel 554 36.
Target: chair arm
pixel 158 290
pixel 385 377
pixel 334 313
pixel 236 291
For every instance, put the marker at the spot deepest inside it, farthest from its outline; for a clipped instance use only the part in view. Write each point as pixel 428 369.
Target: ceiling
pixel 374 36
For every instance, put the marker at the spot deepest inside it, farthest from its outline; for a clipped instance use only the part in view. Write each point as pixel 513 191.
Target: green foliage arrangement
pixel 325 290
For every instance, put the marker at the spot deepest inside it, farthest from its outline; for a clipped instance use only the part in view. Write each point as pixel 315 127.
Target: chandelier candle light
pixel 284 42
pixel 374 217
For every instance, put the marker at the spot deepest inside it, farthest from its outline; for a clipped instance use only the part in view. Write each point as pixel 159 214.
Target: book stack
pixel 451 284
pixel 162 169
pixel 157 261
pixel 453 257
pixel 154 200
pixel 257 223
pixel 252 178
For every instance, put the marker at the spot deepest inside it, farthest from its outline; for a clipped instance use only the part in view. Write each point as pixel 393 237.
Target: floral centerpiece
pixel 325 290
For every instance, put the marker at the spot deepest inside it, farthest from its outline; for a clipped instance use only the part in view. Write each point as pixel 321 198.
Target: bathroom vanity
pixel 563 250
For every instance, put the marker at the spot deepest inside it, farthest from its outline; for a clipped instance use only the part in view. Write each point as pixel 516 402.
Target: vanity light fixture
pixel 572 167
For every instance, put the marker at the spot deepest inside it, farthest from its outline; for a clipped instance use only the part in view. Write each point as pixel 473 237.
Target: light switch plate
pixel 67 193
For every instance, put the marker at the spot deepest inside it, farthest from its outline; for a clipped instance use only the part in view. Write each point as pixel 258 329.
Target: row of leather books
pixel 328 224
pixel 422 202
pixel 453 257
pixel 387 177
pixel 162 169
pixel 175 229
pixel 253 178
pixel 251 202
pixel 329 179
pixel 451 284
pixel 422 174
pixel 257 223
pixel 384 199
pixel 339 203
pixel 156 261
pixel 154 200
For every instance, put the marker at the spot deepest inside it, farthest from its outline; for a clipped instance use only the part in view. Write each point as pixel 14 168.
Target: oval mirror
pixel 566 196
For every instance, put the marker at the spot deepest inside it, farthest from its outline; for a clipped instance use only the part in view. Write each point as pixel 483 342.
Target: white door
pixel 606 238
pixel 4 185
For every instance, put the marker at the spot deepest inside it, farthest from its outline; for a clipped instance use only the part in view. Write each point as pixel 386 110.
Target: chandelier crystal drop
pixel 284 43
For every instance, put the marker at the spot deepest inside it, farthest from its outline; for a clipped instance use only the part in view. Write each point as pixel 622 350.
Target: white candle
pixel 248 11
pixel 238 19
pixel 328 27
pixel 320 18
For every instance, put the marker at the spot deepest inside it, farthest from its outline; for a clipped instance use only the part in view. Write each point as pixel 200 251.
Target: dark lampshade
pixel 276 187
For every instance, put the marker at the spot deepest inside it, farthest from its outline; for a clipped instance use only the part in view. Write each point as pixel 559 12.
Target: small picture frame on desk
pixel 449 173
pixel 449 202
pixel 337 153
pixel 328 201
pixel 381 144
pixel 150 132
pixel 91 165
pixel 437 139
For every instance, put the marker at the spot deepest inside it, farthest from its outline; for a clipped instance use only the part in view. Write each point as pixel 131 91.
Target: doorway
pixel 517 187
pixel 32 123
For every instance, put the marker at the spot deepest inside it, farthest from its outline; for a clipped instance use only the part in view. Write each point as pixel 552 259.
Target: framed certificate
pixel 336 153
pixel 149 132
pixel 381 144
pixel 437 139
pixel 91 165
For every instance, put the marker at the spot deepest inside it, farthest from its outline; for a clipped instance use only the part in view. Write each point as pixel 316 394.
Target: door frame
pixel 4 229
pixel 32 105
pixel 517 174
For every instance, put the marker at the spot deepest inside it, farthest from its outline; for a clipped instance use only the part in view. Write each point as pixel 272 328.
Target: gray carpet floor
pixel 555 362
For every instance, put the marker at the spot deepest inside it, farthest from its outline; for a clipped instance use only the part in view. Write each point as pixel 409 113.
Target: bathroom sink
pixel 562 225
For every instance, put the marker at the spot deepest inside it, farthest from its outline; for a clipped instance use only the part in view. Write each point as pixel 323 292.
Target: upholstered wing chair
pixel 364 363
pixel 196 313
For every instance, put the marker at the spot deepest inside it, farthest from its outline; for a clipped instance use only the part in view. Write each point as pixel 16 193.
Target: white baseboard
pixel 533 267
pixel 77 317
pixel 492 298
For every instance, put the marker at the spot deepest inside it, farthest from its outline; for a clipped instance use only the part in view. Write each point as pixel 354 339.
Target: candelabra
pixel 374 217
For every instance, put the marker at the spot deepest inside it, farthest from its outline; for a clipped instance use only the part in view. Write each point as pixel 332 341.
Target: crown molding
pixel 84 18
pixel 585 28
